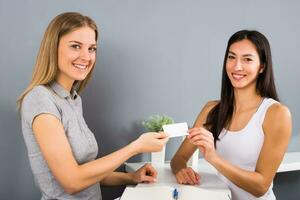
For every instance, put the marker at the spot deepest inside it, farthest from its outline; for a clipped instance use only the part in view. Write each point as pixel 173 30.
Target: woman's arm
pixel 146 174
pixel 184 174
pixel 277 130
pixel 57 152
pixel 117 178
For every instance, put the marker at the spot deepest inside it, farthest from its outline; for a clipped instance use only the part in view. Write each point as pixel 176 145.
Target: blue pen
pixel 175 194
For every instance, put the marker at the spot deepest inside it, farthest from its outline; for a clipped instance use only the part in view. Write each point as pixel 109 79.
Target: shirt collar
pixel 62 92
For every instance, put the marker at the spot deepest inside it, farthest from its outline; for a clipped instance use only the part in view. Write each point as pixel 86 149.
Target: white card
pixel 176 130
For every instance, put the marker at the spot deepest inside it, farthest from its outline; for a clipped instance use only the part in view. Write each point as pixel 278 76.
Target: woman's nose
pixel 238 65
pixel 85 54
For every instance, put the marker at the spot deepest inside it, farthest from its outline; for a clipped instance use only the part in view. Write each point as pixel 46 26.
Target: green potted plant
pixel 155 124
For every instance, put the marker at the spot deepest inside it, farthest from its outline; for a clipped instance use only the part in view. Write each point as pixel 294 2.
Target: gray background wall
pixel 154 57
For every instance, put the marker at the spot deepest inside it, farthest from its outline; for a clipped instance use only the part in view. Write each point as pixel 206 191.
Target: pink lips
pixel 80 66
pixel 238 76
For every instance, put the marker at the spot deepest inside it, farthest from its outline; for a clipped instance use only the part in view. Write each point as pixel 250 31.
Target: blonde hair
pixel 46 65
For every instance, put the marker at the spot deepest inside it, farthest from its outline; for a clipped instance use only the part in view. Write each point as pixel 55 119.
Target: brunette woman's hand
pixel 151 142
pixel 145 174
pixel 187 176
pixel 204 140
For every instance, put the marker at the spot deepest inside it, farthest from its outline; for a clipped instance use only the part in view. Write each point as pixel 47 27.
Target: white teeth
pixel 238 76
pixel 80 66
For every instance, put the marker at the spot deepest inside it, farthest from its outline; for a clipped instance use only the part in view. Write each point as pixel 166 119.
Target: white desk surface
pixel 209 178
pixel 290 162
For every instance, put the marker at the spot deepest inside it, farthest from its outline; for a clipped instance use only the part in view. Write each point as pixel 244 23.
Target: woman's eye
pixel 230 57
pixel 75 46
pixel 92 49
pixel 248 59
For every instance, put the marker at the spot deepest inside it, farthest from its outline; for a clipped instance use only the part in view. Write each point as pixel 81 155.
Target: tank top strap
pixel 262 110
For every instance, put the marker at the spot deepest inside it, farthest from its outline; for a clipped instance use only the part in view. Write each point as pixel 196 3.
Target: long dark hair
pixel 220 116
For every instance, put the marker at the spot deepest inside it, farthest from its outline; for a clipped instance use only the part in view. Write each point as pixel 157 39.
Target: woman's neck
pixel 67 84
pixel 245 99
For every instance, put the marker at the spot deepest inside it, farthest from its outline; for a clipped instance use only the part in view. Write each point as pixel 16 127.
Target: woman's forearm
pixel 178 163
pixel 97 170
pixel 252 182
pixel 118 178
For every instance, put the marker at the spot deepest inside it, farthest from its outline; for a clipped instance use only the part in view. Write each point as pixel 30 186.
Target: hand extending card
pixel 176 130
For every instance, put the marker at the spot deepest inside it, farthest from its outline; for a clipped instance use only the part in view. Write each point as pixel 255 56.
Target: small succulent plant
pixel 155 122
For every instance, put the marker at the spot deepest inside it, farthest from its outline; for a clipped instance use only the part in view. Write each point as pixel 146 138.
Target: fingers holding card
pixel 176 130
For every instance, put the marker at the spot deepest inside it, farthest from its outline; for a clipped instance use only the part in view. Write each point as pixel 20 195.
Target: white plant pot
pixel 158 158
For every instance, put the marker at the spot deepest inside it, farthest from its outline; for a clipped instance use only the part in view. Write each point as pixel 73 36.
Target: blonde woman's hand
pixel 204 140
pixel 151 142
pixel 145 174
pixel 187 176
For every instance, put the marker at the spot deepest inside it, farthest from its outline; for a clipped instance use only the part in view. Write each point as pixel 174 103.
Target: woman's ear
pixel 262 68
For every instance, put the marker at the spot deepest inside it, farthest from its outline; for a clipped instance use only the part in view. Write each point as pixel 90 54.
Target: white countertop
pixel 209 180
pixel 290 162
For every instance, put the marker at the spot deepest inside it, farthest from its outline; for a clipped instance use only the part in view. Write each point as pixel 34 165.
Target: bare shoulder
pixel 277 111
pixel 201 119
pixel 210 105
pixel 278 119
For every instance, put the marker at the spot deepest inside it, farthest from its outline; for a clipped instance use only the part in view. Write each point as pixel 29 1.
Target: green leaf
pixel 156 122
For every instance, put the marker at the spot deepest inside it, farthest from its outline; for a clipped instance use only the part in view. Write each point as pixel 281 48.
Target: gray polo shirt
pixel 57 101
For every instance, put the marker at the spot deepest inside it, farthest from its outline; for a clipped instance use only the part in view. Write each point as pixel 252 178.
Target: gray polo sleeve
pixel 38 101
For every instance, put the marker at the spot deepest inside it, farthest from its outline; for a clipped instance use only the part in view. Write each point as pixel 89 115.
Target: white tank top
pixel 242 149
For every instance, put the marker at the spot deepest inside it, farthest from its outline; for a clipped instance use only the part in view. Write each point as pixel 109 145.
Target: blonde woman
pixel 62 150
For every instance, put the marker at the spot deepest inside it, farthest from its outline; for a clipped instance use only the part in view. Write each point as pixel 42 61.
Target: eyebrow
pixel 245 55
pixel 80 42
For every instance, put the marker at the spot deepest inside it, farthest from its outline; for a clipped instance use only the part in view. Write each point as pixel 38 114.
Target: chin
pixel 241 86
pixel 238 85
pixel 79 77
